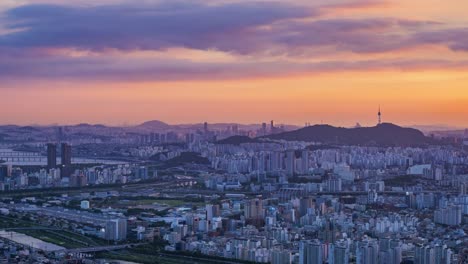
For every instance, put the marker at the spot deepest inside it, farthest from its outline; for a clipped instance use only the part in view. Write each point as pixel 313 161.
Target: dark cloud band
pixel 256 29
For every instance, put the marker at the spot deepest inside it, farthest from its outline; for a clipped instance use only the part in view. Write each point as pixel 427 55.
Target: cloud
pixel 108 68
pixel 366 35
pixel 153 27
pixel 239 27
pixel 262 31
pixel 362 4
pixel 455 39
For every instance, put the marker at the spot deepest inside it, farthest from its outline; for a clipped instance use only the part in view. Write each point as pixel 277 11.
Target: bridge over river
pixel 20 156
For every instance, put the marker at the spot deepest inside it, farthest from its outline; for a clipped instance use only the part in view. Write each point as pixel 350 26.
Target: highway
pixel 201 259
pixel 173 187
pixel 96 249
pixel 31 228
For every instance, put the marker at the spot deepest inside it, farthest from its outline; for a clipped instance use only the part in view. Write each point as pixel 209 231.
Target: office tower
pixel 116 229
pixel 66 154
pixel 272 126
pixel 5 171
pixel 51 156
pixel 310 252
pixel 264 129
pixel 205 127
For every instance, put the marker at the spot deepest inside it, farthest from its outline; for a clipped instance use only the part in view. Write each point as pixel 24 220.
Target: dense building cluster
pixel 221 194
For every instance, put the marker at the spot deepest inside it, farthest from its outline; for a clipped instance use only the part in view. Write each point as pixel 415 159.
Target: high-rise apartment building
pixel 116 229
pixel 339 253
pixel 66 154
pixel 253 209
pixel 310 252
pixel 367 252
pixel 51 156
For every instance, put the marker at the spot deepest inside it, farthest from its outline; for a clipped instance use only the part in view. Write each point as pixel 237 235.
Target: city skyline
pixel 349 124
pixel 234 131
pixel 182 62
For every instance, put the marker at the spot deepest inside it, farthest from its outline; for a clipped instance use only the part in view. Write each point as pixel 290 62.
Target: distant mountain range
pixel 429 129
pixel 153 126
pixel 381 135
pixel 16 133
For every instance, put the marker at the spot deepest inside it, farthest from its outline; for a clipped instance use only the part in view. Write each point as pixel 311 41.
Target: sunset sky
pixel 246 61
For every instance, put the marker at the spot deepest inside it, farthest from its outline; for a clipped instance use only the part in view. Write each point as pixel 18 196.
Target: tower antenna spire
pixel 379 114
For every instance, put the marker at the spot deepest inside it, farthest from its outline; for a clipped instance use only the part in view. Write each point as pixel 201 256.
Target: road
pixel 201 259
pixel 96 249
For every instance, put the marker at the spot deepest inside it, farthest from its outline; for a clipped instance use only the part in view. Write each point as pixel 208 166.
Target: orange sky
pixel 431 97
pixel 422 83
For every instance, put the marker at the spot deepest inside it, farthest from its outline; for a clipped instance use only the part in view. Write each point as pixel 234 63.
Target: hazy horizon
pixel 418 126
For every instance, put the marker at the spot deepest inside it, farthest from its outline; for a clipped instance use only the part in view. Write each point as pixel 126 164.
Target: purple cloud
pixel 234 27
pixel 150 27
pixel 37 67
pixel 455 39
pixel 252 28
pixel 369 35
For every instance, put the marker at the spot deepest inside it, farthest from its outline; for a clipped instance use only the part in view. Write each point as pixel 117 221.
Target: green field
pixel 9 222
pixel 48 236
